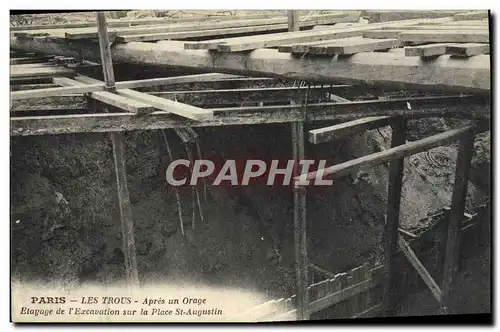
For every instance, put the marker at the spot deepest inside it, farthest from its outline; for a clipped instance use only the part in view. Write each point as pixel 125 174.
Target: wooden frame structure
pixel 138 112
pixel 395 155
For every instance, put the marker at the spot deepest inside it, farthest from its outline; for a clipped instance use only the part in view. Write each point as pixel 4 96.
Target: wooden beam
pixel 300 226
pixel 394 153
pixel 473 75
pixel 184 110
pixel 41 72
pixel 396 171
pixel 59 91
pixel 352 47
pixel 86 33
pixel 251 95
pixel 125 206
pixel 331 133
pixel 96 85
pixel 253 42
pixel 305 46
pixel 422 271
pixel 265 27
pixel 201 33
pixel 444 27
pixel 381 34
pixel 458 107
pixel 458 200
pixel 25 60
pixel 112 99
pixel 430 50
pixel 474 15
pixel 445 36
pixel 469 49
pixel 105 48
pixel 293 20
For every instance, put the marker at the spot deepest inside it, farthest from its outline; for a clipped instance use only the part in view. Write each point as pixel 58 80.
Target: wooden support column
pixel 293 21
pixel 458 200
pixel 300 222
pixel 119 157
pixel 392 219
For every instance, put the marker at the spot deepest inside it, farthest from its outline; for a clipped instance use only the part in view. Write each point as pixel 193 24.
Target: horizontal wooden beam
pixel 474 15
pixel 184 110
pixel 468 49
pixel 112 99
pixel 421 270
pixel 327 134
pixel 352 47
pixel 254 42
pixel 459 75
pixel 86 33
pixel 378 158
pixel 445 36
pixel 342 295
pixel 94 87
pixel 430 50
pixel 458 107
pixel 41 72
pixel 267 26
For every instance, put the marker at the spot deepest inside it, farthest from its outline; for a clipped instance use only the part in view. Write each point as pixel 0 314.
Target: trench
pixel 231 246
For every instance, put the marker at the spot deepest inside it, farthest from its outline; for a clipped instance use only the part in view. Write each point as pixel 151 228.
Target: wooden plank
pixel 59 91
pixel 110 98
pixel 390 237
pixel 34 86
pixel 458 200
pixel 466 23
pixel 41 72
pixel 382 34
pixel 184 110
pixel 398 152
pixel 352 47
pixel 430 50
pixel 293 20
pixel 473 15
pixel 201 33
pixel 253 42
pixel 300 227
pixel 445 27
pixel 330 133
pixel 370 312
pixel 422 271
pixel 105 48
pixel 469 49
pixel 86 33
pixel 96 85
pixel 304 47
pixel 445 36
pixel 341 295
pixel 26 60
pixel 250 96
pixel 473 75
pixel 125 207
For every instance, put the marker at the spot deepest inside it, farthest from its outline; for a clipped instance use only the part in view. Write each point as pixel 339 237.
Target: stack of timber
pixel 165 30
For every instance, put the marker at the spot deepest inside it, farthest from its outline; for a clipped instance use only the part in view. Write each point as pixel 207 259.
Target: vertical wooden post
pixel 105 48
pixel 293 20
pixel 300 222
pixel 392 220
pixel 458 201
pixel 119 158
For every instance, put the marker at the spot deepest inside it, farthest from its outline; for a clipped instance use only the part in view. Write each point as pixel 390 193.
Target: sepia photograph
pixel 250 166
